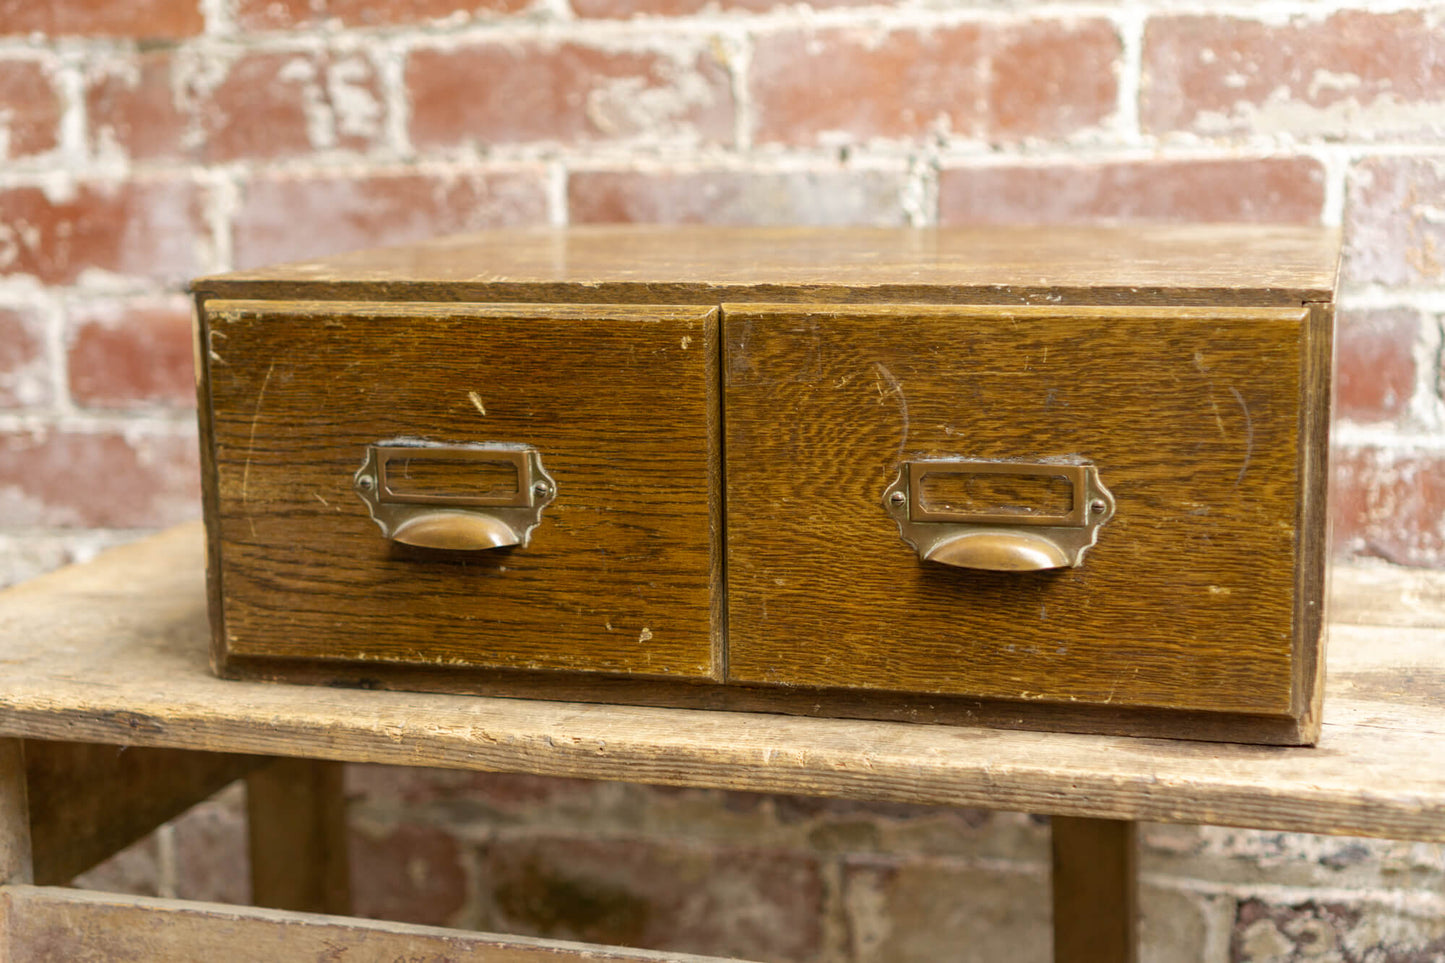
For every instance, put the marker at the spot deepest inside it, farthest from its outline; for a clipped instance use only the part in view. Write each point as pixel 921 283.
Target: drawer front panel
pixel 609 410
pixel 1191 419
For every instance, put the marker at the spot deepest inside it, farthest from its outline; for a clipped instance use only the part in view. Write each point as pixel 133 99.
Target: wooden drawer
pixel 616 401
pixel 781 470
pixel 1192 419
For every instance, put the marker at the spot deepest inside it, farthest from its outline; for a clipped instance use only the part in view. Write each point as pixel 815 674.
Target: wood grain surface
pixel 1134 264
pixel 15 849
pixel 89 801
pixel 1192 417
pixel 40 923
pixel 113 651
pixel 1095 877
pixel 297 836
pixel 620 577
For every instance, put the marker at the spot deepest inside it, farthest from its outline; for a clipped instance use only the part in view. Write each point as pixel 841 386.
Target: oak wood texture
pixel 89 801
pixel 1161 264
pixel 296 815
pixel 113 651
pixel 15 848
pixel 40 923
pixel 1095 883
pixel 375 344
pixel 1193 416
pixel 622 574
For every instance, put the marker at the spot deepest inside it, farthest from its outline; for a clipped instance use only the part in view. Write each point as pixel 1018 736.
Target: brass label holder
pixel 1011 537
pixel 460 520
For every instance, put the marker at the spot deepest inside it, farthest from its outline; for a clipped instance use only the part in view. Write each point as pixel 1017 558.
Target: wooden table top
pixel 114 651
pixel 1207 264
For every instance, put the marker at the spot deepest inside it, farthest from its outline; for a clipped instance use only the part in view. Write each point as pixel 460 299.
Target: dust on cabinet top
pixel 1212 264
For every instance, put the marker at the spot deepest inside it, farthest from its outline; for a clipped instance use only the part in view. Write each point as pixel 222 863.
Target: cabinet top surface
pixel 114 651
pixel 1221 264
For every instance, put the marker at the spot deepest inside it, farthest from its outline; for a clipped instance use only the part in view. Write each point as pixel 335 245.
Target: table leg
pixel 297 814
pixel 1096 884
pixel 15 862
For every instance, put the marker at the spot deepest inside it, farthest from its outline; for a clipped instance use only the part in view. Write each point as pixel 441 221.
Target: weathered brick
pixel 1338 932
pixel 24 556
pixel 682 8
pixel 287 218
pixel 123 355
pixel 106 479
pixel 133 107
pixel 24 371
pixel 289 14
pixel 291 104
pixel 1390 504
pixel 108 18
pixel 1352 73
pixel 1270 190
pixel 211 845
pixel 1051 78
pixel 29 109
pixel 737 197
pixel 973 81
pixel 149 228
pixel 1375 362
pixel 849 84
pixel 750 903
pixel 1237 860
pixel 407 873
pixel 1395 221
pixel 926 910
pixel 513 92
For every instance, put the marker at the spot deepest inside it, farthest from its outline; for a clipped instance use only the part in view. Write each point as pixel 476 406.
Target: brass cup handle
pixel 452 507
pixel 1015 537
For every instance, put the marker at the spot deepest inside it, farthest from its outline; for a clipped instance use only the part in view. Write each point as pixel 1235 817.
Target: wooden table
pixel 112 653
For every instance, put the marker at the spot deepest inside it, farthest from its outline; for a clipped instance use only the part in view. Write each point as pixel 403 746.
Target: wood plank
pixel 89 801
pixel 40 923
pixel 296 811
pixel 1187 602
pixel 1058 264
pixel 1095 890
pixel 1376 593
pixel 15 848
pixel 621 576
pixel 114 650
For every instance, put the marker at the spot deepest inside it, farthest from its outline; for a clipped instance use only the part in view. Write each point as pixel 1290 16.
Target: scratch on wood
pixel 476 400
pixel 897 389
pixel 1248 434
pixel 251 444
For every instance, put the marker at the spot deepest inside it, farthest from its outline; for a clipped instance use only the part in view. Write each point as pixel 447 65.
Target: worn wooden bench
pixel 112 653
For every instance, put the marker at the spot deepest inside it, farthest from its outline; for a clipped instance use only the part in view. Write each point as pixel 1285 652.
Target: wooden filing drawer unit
pixel 1044 478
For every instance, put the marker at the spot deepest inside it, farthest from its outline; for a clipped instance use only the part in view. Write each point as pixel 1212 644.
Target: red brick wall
pixel 145 141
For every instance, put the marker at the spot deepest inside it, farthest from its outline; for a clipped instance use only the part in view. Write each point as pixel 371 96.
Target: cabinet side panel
pixel 210 498
pixel 1312 593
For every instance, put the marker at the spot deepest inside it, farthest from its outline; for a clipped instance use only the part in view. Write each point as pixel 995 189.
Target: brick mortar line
pixel 609 155
pixel 154 421
pixel 1426 406
pixel 1400 441
pixel 220 30
pixel 1426 299
pixel 1130 24
pixel 1421 901
pixel 220 33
